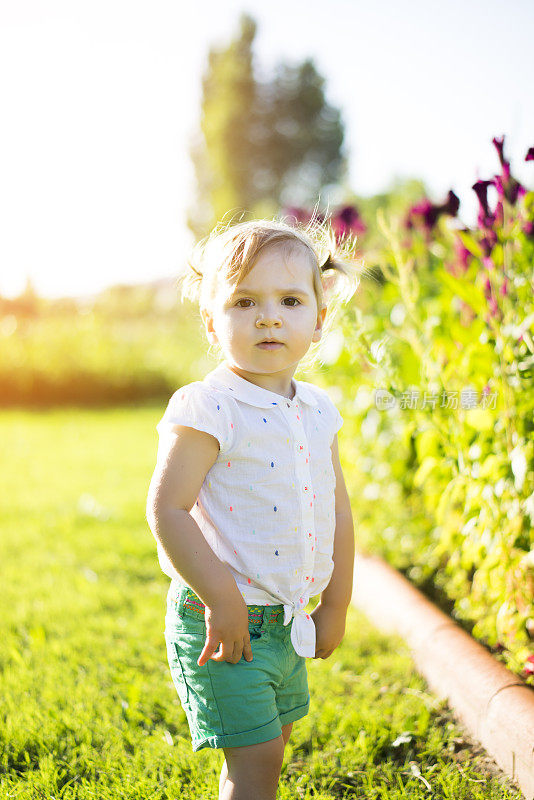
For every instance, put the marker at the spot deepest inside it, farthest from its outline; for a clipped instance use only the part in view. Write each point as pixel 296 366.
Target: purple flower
pixel 499 214
pixel 348 219
pixel 528 228
pixel 424 210
pixel 463 256
pixel 427 213
pixel 488 219
pixel 499 146
pixel 508 188
pixel 493 306
pixel 488 242
pixel 530 154
pixel 485 217
pixel 350 216
pixel 299 214
pixel 451 205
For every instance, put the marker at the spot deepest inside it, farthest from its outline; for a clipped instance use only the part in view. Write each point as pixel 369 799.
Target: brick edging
pixel 495 705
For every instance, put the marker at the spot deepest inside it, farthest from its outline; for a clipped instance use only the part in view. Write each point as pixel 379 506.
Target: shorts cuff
pixel 295 713
pixel 271 730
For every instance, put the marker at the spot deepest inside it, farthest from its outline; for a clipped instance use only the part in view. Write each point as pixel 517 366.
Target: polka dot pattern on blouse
pixel 267 505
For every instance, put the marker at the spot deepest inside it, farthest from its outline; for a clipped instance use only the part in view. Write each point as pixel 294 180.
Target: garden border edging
pixel 495 705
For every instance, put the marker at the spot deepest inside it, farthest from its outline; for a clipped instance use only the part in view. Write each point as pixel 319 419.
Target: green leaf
pixel 469 293
pixel 480 419
pixel 427 444
pixel 430 463
pixel 470 243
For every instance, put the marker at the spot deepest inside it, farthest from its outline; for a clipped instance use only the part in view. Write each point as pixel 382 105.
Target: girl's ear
pixel 319 326
pixel 207 319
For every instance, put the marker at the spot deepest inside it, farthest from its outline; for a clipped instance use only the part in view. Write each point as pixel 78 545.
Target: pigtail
pixel 340 270
pixel 328 264
pixel 189 282
pixel 339 267
pixel 192 279
pixel 214 253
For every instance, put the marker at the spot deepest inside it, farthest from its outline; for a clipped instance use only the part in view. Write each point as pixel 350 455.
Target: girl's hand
pixel 227 624
pixel 329 628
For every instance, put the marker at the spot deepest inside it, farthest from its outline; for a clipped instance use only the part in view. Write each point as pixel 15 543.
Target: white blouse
pixel 267 505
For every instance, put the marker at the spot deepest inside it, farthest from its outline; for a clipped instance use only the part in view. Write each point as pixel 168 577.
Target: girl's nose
pixel 269 318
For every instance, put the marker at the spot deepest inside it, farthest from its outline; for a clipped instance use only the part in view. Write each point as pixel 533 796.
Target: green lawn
pixel 88 706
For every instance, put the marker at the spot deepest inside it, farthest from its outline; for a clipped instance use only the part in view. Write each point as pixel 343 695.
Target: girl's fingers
pixel 237 651
pixel 210 647
pixel 227 653
pixel 247 650
pixel 232 656
pixel 220 655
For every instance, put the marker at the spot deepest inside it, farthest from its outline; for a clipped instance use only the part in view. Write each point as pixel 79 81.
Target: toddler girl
pixel 248 503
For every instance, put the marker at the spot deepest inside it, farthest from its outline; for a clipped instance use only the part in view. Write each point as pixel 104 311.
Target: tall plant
pixel 448 339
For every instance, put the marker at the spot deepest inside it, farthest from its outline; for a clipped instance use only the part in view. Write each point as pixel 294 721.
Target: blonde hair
pixel 230 251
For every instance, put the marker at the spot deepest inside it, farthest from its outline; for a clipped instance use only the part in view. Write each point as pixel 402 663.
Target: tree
pixel 223 152
pixel 301 136
pixel 261 144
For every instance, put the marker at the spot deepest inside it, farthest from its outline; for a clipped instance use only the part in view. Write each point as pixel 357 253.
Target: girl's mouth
pixel 270 345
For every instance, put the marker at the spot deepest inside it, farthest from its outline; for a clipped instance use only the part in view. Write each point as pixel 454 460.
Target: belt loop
pixel 274 615
pixel 179 600
pixel 256 615
pixel 189 600
pixel 182 597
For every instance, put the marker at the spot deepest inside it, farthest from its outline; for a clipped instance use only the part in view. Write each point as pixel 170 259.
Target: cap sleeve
pixel 337 420
pixel 329 409
pixel 196 406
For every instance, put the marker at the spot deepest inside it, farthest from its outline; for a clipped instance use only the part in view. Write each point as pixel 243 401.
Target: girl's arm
pixel 339 590
pixel 330 614
pixel 173 491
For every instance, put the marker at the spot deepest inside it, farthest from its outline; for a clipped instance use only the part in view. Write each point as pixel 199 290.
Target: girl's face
pixel 277 301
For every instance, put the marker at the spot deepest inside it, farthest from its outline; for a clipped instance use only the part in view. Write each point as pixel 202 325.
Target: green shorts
pixel 231 705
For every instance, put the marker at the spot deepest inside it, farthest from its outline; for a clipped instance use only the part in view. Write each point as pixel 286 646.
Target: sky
pixel 99 101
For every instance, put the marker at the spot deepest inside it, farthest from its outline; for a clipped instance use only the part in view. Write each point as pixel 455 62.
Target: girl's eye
pixel 295 302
